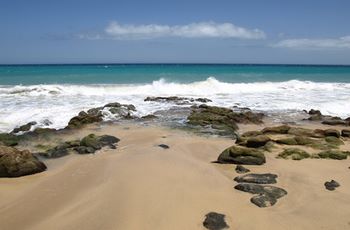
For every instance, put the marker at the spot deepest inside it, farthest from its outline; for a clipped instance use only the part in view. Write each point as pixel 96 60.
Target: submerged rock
pixel 16 163
pixel 215 221
pixel 266 178
pixel 241 155
pixel 241 169
pixel 331 185
pixel 294 154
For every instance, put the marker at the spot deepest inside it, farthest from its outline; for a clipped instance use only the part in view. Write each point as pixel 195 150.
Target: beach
pixel 142 186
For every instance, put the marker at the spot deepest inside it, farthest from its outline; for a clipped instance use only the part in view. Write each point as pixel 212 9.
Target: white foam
pixel 58 103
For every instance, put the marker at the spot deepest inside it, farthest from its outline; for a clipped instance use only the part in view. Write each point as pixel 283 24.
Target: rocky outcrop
pixel 24 128
pixel 222 119
pixel 215 221
pixel 316 115
pixel 8 139
pixel 294 154
pixel 96 114
pixel 241 155
pixel 332 154
pixel 16 163
pixel 257 141
pixel 89 144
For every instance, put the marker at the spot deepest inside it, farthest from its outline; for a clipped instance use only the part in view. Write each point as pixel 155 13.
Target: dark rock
pixel 294 154
pixel 84 150
pixel 257 141
pixel 92 141
pixel 345 133
pixel 9 139
pixel 41 132
pixel 334 141
pixel 56 152
pixel 267 195
pixel 108 140
pixel 16 163
pixel 163 146
pixel 241 155
pixel 241 169
pixel 283 129
pixel 331 185
pixel 178 100
pixel 301 132
pixel 149 117
pixel 215 221
pixel 315 112
pixel 84 118
pixel 332 154
pixel 24 128
pixel 332 132
pixel 266 178
pixel 335 122
pixel 252 134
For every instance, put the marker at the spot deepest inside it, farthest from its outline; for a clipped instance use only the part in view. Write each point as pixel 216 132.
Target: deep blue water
pixel 183 73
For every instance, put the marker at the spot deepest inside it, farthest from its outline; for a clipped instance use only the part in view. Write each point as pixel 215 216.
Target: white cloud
pixel 194 30
pixel 305 43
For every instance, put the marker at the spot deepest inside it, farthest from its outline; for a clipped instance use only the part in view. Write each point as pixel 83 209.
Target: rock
pixel 267 195
pixel 332 154
pixel 41 132
pixel 332 133
pixel 257 141
pixel 84 118
pixel 74 143
pixel 287 141
pixel 84 150
pixel 335 122
pixel 16 163
pixel 92 141
pixel 283 129
pixel 297 131
pixel 9 139
pixel 334 141
pixel 266 178
pixel 108 140
pixel 251 134
pixel 298 140
pixel 215 221
pixel 315 112
pixel 241 169
pixel 345 133
pixel 24 128
pixel 56 152
pixel 178 100
pixel 149 117
pixel 241 155
pixel 163 146
pixel 331 185
pixel 294 154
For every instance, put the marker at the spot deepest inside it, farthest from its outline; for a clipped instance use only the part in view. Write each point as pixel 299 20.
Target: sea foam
pixel 58 103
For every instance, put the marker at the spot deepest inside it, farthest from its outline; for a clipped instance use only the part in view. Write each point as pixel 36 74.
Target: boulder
pixel 332 154
pixel 332 133
pixel 9 139
pixel 294 154
pixel 257 141
pixel 56 152
pixel 251 134
pixel 164 146
pixel 149 117
pixel 265 178
pixel 215 221
pixel 16 163
pixel 334 141
pixel 241 155
pixel 84 118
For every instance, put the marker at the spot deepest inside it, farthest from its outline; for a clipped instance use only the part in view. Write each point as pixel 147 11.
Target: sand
pixel 142 186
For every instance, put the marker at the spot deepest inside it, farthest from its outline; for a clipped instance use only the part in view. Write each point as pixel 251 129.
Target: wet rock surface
pixel 16 163
pixel 24 128
pixel 241 155
pixel 331 185
pixel 177 100
pixel 215 221
pixel 266 178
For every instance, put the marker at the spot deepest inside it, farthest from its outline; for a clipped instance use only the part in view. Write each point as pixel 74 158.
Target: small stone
pixel 331 185
pixel 164 146
pixel 241 169
pixel 215 221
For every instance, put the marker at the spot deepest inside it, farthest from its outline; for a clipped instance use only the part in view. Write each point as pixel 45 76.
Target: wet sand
pixel 142 186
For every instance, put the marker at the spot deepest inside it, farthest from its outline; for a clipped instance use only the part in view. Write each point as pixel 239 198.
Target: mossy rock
pixel 297 131
pixel 332 154
pixel 287 141
pixel 8 139
pixel 298 140
pixel 92 141
pixel 251 134
pixel 334 140
pixel 257 141
pixel 282 129
pixel 332 133
pixel 294 154
pixel 241 155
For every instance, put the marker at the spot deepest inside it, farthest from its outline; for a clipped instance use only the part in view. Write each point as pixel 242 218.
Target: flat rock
pixel 215 221
pixel 282 129
pixel 241 155
pixel 257 141
pixel 266 178
pixel 164 146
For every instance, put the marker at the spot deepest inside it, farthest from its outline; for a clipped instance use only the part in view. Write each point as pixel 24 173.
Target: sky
pixel 163 31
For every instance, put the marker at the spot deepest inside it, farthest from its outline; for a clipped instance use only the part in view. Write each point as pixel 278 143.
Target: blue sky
pixel 246 31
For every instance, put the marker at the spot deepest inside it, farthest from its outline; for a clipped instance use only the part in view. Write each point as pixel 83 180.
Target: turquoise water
pixel 182 73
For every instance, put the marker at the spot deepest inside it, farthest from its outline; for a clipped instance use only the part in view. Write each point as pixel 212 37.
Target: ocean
pixel 56 93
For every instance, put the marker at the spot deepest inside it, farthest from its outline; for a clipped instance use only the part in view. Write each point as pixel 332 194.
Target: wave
pixel 21 104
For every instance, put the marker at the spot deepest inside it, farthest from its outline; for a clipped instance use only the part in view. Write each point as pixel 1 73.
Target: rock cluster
pixel 177 100
pixel 316 115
